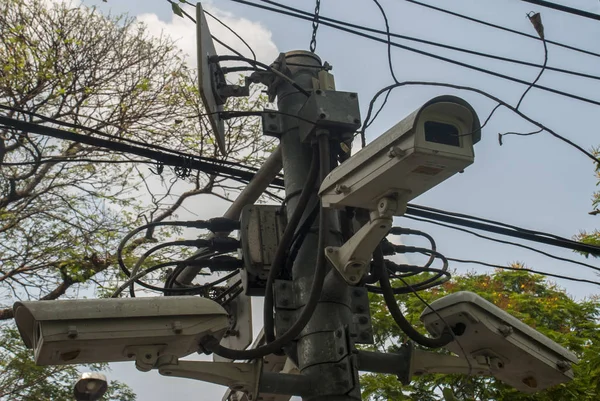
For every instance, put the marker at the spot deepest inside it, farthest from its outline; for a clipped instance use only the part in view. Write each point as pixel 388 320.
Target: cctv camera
pixel 91 386
pixel 426 148
pixel 517 354
pixel 117 329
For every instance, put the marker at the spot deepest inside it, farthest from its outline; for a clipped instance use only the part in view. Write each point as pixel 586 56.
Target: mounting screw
pixel 356 121
pixel 563 366
pixel 341 189
pixel 363 320
pixel 505 330
pixel 338 333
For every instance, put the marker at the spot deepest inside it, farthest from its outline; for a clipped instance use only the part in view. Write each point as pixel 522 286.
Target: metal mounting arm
pixel 352 259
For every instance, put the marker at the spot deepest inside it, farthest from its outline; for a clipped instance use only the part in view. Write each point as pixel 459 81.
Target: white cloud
pixel 184 32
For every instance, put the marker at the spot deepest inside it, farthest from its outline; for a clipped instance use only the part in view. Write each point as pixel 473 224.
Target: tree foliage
pixel 530 298
pixel 64 206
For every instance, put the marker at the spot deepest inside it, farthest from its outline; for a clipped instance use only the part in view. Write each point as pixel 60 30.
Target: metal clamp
pixel 352 259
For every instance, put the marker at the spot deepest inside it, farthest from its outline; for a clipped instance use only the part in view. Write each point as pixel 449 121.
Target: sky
pixel 536 182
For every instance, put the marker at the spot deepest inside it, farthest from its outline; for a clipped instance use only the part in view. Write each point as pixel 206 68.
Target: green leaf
pixel 176 9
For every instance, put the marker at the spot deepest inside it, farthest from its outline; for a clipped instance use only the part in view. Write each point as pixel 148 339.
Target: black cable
pixel 121 139
pixel 390 300
pixel 168 159
pixel 432 55
pixel 500 27
pixel 231 289
pixel 573 245
pixel 565 9
pixel 232 31
pixel 266 67
pixel 478 262
pixel 481 92
pixel 226 26
pixel 507 243
pixel 537 78
pixel 448 329
pixel 232 297
pixel 498 223
pixel 189 290
pixel 435 43
pixel 284 245
pixel 299 237
pixel 212 344
pixel 410 231
pixel 389 42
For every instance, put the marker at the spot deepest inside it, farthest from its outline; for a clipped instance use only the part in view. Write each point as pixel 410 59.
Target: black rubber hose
pixel 284 245
pixel 388 295
pixel 211 344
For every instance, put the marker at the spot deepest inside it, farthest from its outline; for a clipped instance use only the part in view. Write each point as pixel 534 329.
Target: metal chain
pixel 315 25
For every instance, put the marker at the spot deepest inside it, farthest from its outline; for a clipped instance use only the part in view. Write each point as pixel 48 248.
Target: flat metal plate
pixel 240 309
pixel 206 48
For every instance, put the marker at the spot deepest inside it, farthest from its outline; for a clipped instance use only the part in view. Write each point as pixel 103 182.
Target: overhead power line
pixel 565 9
pixel 190 162
pixel 547 239
pixel 437 43
pixel 502 28
pixel 496 266
pixel 424 53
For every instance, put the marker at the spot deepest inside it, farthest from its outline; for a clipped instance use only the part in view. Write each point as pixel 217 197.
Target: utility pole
pixel 323 351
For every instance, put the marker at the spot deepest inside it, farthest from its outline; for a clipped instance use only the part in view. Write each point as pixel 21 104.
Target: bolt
pixel 330 250
pixel 148 356
pixel 563 366
pixel 360 309
pixel 356 121
pixel 505 330
pixel 341 188
pixel 352 278
pixel 341 350
pixel 322 116
pixel 338 333
pixel 363 320
pixel 319 92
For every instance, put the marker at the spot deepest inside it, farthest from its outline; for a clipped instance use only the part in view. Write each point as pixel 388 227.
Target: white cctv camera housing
pixel 426 148
pixel 517 354
pixel 113 330
pixel 91 386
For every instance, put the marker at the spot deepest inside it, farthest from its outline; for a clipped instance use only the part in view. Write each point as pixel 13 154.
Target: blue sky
pixel 535 182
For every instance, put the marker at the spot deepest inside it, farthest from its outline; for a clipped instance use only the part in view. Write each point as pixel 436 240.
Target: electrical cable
pixel 168 159
pixel 448 327
pixel 441 275
pixel 285 241
pixel 121 139
pixel 572 245
pixel 188 290
pixel 390 300
pixel 565 9
pixel 483 93
pixel 500 27
pixel 230 29
pixel 410 231
pixel 218 244
pixel 212 344
pixel 433 43
pixel 266 67
pixel 507 243
pixel 498 223
pixel 580 280
pixel 544 65
pixel 432 55
pixel 389 42
pixel 231 289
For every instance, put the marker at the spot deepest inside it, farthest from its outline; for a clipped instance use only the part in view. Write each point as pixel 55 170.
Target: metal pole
pixel 322 351
pixel 251 192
